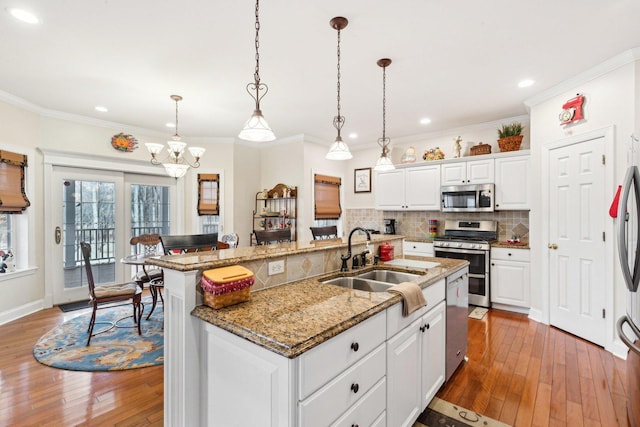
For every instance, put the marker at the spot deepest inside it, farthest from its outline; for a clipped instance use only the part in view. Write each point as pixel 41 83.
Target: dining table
pixel 140 260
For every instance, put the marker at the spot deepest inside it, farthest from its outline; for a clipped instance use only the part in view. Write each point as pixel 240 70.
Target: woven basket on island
pixel 510 143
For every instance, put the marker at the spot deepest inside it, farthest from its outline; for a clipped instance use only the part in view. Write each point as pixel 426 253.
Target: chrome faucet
pixel 346 257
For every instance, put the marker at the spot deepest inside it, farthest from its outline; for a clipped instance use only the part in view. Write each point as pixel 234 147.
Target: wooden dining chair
pixel 110 293
pixel 264 237
pixel 149 244
pixel 189 243
pixel 322 233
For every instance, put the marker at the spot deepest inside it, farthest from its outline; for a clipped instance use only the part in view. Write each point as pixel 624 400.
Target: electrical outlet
pixel 276 267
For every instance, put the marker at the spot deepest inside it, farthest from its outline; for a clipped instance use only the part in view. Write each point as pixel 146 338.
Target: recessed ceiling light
pixel 24 16
pixel 425 121
pixel 526 83
pixel 170 125
pixel 101 108
pixel 353 135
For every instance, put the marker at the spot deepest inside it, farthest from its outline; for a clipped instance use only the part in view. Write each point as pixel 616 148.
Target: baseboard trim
pixel 18 312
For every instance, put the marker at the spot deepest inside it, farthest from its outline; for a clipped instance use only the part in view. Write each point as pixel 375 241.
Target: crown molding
pixel 599 70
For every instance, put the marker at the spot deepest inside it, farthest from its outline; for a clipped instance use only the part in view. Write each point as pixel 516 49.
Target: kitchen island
pixel 254 353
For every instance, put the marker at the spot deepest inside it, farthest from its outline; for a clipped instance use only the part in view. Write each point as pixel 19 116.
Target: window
pixel 209 201
pixel 5 233
pixel 326 197
pixel 13 198
pixel 208 194
pixel 149 209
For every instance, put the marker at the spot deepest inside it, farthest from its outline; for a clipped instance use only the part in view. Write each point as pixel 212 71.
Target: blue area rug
pixel 117 349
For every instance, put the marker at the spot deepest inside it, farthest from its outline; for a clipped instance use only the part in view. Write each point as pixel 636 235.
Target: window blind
pixel 327 197
pixel 208 194
pixel 13 198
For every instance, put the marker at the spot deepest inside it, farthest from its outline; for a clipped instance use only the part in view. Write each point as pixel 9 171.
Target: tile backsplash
pixel 416 223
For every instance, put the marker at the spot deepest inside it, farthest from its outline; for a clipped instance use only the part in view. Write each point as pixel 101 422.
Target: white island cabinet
pixel 381 372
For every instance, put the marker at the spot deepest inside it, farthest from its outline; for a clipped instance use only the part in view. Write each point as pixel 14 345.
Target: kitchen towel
pixel 412 297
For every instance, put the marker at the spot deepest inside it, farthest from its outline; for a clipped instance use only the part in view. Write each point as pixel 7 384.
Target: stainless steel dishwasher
pixel 457 312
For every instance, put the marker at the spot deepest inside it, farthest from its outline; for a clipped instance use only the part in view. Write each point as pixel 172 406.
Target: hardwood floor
pixel 519 372
pixel 524 373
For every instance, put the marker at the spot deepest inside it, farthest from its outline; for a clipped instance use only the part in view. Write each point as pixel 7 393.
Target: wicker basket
pixel 510 143
pixel 480 149
pixel 226 286
pixel 224 300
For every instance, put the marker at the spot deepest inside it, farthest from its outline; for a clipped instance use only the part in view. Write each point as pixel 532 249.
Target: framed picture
pixel 362 180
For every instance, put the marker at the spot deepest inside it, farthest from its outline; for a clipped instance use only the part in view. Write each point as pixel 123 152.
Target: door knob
pixel 552 246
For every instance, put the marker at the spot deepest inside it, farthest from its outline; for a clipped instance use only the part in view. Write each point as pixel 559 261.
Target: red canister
pixel 386 251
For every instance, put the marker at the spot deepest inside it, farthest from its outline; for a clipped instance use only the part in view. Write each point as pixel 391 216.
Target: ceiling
pixel 456 62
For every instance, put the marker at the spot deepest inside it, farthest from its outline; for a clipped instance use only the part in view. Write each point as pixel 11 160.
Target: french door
pixel 104 209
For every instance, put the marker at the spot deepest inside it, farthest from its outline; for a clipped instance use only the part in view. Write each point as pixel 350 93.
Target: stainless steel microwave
pixel 467 198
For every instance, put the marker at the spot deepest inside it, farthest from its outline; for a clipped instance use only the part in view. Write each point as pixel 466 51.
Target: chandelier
pixel 256 128
pixel 339 149
pixel 175 164
pixel 384 162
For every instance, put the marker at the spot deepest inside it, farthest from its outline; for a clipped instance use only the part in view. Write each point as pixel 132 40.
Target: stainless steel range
pixel 470 241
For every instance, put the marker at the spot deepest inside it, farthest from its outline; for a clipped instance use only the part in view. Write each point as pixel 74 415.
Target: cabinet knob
pixel 509 254
pixel 493 264
pixel 355 425
pixel 497 205
pixel 355 387
pixel 355 346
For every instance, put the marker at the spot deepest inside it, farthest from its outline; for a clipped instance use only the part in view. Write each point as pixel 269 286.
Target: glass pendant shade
pixel 384 164
pixel 175 170
pixel 257 129
pixel 339 151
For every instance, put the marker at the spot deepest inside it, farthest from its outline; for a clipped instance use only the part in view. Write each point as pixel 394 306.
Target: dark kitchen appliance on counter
pixel 470 241
pixel 628 217
pixel 456 326
pixel 389 226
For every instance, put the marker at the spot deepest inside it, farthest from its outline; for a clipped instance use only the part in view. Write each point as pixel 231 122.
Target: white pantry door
pixel 577 210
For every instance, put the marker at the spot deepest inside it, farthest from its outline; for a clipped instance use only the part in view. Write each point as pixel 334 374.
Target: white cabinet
pixel 415 358
pixel 469 172
pixel 413 188
pixel 512 183
pixel 417 248
pixel 510 277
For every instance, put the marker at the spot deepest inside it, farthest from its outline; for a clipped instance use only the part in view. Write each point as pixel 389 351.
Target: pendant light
pixel 339 149
pixel 176 164
pixel 384 162
pixel 256 128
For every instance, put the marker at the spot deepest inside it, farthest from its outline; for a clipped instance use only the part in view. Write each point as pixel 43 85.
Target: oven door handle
pixel 461 251
pixel 625 339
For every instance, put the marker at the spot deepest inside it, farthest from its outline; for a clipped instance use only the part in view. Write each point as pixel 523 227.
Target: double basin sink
pixel 373 281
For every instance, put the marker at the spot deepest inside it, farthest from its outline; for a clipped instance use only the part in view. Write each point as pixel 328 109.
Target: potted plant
pixel 510 136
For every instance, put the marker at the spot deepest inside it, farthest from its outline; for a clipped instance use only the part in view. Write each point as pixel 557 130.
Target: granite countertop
pixel 293 318
pixel 519 245
pixel 212 259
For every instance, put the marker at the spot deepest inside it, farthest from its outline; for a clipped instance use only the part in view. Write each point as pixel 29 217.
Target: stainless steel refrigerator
pixel 628 224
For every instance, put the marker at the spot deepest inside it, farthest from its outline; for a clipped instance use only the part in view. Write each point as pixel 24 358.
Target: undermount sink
pixel 359 284
pixel 388 276
pixel 373 281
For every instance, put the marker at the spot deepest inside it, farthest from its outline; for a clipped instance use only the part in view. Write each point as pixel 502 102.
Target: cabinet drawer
pixel 369 411
pixel 322 363
pixel 396 322
pixel 345 390
pixel 508 254
pixel 417 248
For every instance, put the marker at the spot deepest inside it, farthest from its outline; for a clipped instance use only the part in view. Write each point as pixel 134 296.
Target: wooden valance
pixel 13 198
pixel 208 194
pixel 327 197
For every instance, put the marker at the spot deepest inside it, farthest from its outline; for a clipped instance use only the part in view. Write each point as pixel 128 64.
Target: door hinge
pixel 603 313
pixel 603 159
pixel 604 238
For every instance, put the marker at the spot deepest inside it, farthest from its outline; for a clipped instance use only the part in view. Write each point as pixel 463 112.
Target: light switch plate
pixel 276 267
